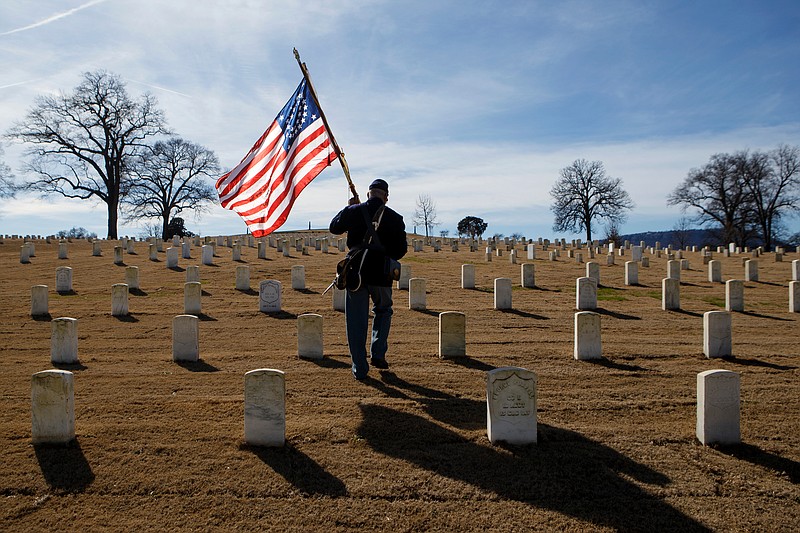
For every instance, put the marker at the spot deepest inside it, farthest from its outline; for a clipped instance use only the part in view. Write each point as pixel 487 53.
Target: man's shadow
pixel 565 472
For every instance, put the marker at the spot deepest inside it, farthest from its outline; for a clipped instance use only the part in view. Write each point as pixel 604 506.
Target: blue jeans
pixel 356 309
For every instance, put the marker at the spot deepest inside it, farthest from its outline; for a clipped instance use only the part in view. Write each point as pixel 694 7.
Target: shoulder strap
pixel 373 225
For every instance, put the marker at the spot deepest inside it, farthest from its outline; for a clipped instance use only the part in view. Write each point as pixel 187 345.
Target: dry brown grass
pixel 160 445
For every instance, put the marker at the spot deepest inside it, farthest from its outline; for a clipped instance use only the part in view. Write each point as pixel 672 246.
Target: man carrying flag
pixel 293 151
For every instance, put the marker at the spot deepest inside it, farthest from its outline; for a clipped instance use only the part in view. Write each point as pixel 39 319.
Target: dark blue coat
pixel 392 233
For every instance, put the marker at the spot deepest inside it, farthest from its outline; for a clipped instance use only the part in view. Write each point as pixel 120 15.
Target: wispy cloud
pixel 54 18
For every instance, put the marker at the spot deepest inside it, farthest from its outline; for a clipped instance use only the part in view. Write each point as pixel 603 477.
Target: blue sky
pixel 477 104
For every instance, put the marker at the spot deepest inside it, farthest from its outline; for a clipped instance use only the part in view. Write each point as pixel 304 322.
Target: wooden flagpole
pixel 339 153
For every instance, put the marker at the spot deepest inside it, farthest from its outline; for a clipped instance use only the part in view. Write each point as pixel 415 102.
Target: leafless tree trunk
pixel 584 193
pixel 425 214
pixel 83 142
pixel 171 178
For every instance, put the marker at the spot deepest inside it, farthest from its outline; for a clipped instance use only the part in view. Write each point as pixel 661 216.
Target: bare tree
pixel 774 182
pixel 83 142
pixel 681 232
pixel 7 188
pixel 585 193
pixel 425 214
pixel 170 178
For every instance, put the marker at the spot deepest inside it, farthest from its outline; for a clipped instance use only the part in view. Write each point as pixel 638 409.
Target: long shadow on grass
pixel 565 471
pixel 523 314
pixel 300 470
pixel 64 466
pixel 754 454
pixel 755 362
pixel 759 315
pixel 197 366
pixel 615 314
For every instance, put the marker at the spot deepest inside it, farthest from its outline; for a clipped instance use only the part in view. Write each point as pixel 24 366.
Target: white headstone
pixel 207 254
pixel 636 253
pixel 52 407
pixel 186 338
pixel 64 341
pixel 585 294
pixel 118 259
pixel 405 275
pixel 670 294
pixel 718 400
pixel 717 334
pixel 172 257
pixel 674 269
pixel 468 276
pixel 264 407
pixel 751 270
pixel 63 252
pixel 631 273
pixel 153 250
pixel 269 296
pixel 339 299
pixel 192 273
pixel 309 336
pixel 25 254
pixel 734 295
pixel 119 299
pixel 186 249
pixel 715 271
pixel 587 344
pixel 132 277
pixel 192 298
pixel 593 272
pixel 299 277
pixel 39 300
pixel 242 278
pixel 528 275
pixel 452 334
pixel 416 294
pixel 511 406
pixel 531 252
pixel 262 250
pixel 96 250
pixel 63 279
pixel 502 293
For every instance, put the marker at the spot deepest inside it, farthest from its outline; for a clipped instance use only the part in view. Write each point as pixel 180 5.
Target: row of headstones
pixel 310 344
pixel 511 407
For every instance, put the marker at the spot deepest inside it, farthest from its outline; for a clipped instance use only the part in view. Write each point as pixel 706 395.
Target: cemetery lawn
pixel 160 445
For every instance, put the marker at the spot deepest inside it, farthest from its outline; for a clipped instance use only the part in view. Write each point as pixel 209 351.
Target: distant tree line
pixel 99 143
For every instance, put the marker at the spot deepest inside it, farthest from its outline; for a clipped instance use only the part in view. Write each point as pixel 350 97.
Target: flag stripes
pixel 295 148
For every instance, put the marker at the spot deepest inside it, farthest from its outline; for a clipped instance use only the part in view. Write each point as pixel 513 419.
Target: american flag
pixel 293 151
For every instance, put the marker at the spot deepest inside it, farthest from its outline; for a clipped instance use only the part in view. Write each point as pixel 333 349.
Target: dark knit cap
pixel 380 184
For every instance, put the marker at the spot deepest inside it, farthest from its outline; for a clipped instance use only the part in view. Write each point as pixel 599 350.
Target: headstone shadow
pixel 205 318
pixel 307 291
pixel 126 318
pixel 300 470
pixel 685 312
pixel 329 362
pixel 524 314
pixel 759 315
pixel 67 293
pixel 282 315
pixel 72 367
pixel 177 269
pixel 249 292
pixel 565 472
pixel 755 362
pixel 197 366
pixel 137 292
pixel 64 466
pixel 471 363
pixel 607 363
pixel 755 455
pixel 616 314
pixel 204 293
pixel 429 312
pixel 42 318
